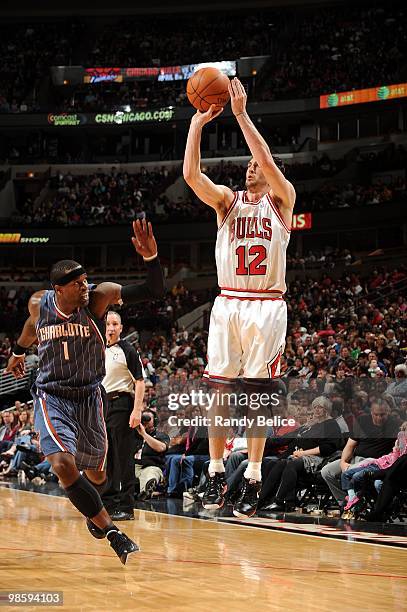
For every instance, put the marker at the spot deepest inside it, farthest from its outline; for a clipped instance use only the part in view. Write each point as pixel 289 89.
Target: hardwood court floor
pixel 190 564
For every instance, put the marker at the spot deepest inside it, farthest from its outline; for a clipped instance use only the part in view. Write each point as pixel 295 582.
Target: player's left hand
pixel 15 366
pixel 238 96
pixel 298 453
pixel 143 239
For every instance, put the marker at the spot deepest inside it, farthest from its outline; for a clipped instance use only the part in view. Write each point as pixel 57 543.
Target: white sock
pixel 216 466
pixel 351 494
pixel 253 471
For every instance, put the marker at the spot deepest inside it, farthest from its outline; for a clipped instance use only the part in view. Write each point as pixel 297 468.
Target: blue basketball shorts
pixel 72 426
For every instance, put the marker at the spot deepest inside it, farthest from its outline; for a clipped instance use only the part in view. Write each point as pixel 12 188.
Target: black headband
pixel 66 278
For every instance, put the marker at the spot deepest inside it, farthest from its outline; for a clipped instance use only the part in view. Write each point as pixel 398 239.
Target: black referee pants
pixel 119 494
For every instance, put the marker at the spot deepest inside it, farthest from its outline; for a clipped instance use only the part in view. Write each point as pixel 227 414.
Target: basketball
pixel 208 86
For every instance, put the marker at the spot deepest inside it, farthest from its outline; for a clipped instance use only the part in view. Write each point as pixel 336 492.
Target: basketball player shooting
pixel 67 322
pixel 249 318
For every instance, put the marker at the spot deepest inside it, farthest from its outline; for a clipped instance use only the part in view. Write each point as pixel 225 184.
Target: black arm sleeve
pixel 152 289
pixel 133 359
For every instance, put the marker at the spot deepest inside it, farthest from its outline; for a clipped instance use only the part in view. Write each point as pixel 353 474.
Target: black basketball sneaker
pixel 246 503
pixel 214 495
pixel 122 545
pixel 97 533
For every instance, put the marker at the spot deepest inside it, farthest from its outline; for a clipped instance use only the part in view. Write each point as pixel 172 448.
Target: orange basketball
pixel 208 86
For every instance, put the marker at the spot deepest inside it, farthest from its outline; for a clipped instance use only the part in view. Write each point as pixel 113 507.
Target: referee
pixel 124 385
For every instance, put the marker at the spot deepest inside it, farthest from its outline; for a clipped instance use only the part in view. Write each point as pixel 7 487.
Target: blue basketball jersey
pixel 71 350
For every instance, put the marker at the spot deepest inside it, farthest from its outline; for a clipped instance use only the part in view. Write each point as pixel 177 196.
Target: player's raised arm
pixel 27 337
pixel 153 288
pixel 218 197
pixel 259 148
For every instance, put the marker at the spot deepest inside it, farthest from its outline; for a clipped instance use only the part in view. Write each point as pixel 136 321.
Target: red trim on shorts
pixel 50 425
pixel 229 210
pixel 207 375
pixel 278 214
pixel 273 365
pixel 251 299
pixel 251 290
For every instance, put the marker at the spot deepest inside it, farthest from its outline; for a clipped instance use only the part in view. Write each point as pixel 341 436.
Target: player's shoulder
pixel 35 301
pixel 36 297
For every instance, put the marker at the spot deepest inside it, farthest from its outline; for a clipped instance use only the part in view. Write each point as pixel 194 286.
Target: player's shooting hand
pixel 16 366
pixel 143 239
pixel 238 97
pixel 200 119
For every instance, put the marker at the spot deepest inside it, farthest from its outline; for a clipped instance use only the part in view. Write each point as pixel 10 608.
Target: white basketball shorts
pixel 246 338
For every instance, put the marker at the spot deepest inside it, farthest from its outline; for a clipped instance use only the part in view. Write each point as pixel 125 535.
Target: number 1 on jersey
pixel 256 267
pixel 65 345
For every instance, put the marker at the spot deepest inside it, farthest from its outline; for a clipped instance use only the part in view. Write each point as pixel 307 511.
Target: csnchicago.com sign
pixel 120 118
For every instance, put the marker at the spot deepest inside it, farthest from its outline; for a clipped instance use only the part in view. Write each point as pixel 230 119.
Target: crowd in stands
pixel 116 198
pixel 326 258
pixel 333 52
pixel 99 199
pixel 186 39
pixel 28 50
pixel 337 50
pixel 331 196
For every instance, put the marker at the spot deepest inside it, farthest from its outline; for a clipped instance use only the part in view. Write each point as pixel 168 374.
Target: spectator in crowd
pixel 182 468
pixel 372 437
pixel 150 455
pixel 305 454
pixel 9 430
pixel 398 389
pixel 24 422
pixel 40 471
pixel 352 479
pixel 25 446
pixel 395 479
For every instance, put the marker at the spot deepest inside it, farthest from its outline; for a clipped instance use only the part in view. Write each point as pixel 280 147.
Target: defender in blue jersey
pixel 67 322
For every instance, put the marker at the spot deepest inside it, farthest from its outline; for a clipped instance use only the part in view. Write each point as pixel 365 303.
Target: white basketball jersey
pixel 251 249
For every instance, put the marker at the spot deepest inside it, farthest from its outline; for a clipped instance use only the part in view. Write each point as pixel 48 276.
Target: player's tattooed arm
pixel 281 187
pixel 216 196
pixel 107 294
pixel 27 337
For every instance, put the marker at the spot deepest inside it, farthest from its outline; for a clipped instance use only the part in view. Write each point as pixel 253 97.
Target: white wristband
pixel 150 258
pixel 14 355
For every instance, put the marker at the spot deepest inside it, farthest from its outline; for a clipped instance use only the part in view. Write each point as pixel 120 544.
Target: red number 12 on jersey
pixel 256 267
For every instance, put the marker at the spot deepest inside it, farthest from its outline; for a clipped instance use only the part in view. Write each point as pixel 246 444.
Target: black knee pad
pixel 85 497
pixel 100 488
